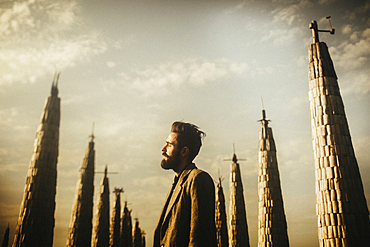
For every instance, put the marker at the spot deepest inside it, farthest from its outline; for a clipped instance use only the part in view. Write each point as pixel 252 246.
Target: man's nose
pixel 164 148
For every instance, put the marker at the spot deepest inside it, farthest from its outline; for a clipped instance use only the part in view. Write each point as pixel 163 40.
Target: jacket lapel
pixel 178 188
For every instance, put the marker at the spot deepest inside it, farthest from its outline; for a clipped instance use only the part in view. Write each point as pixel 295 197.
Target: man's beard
pixel 172 161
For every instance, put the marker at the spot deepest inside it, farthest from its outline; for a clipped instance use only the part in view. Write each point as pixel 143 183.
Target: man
pixel 188 215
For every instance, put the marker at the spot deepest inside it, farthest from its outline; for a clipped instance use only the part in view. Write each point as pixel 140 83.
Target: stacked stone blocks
pixel 238 228
pixel 36 220
pixel 272 226
pixel 343 217
pixel 220 215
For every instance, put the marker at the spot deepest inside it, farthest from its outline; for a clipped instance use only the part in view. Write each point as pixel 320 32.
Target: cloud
pixel 236 8
pixel 327 1
pixel 359 13
pixel 7 115
pixel 351 58
pixel 356 82
pixel 347 29
pixel 354 36
pixel 39 37
pixel 173 75
pixel 352 55
pixel 281 36
pixel 289 12
pixel 111 64
pixel 239 68
pixel 166 77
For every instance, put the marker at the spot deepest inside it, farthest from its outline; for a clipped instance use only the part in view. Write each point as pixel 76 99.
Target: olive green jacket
pixel 189 218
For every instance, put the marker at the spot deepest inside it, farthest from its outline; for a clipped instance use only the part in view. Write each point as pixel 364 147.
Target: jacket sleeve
pixel 202 212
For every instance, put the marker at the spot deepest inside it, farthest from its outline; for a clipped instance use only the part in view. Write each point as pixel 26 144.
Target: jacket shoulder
pixel 197 174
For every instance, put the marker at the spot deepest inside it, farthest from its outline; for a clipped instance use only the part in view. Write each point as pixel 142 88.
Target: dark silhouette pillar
pixel 137 241
pixel 80 229
pixel 6 237
pixel 126 227
pixel 115 230
pixel 221 223
pixel 144 240
pixel 101 229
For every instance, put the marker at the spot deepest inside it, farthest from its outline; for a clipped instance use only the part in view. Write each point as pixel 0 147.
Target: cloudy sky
pixel 134 67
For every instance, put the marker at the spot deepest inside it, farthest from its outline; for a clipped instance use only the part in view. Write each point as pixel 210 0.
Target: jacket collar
pixel 183 176
pixel 185 173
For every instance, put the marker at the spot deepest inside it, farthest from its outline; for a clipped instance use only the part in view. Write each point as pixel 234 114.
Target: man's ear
pixel 185 151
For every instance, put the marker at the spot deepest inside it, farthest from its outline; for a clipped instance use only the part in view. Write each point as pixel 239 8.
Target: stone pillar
pixel 144 240
pixel 101 229
pixel 126 227
pixel 238 228
pixel 272 226
pixel 80 228
pixel 220 212
pixel 36 220
pixel 343 216
pixel 115 229
pixel 137 242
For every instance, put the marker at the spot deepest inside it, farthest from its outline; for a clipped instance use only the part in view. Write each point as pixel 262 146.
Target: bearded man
pixel 188 215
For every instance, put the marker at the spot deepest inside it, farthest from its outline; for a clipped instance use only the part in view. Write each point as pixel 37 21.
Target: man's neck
pixel 180 168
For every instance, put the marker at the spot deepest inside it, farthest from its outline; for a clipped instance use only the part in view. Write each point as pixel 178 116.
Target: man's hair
pixel 189 135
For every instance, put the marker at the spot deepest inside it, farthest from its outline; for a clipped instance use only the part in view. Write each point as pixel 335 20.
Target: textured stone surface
pixel 36 220
pixel 238 228
pixel 80 229
pixel 343 216
pixel 220 215
pixel 272 226
pixel 101 228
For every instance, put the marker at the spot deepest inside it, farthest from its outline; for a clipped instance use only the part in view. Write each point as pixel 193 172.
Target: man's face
pixel 171 153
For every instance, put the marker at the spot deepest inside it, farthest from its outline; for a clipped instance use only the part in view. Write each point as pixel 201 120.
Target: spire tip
pixel 264 120
pixel 92 136
pixel 54 86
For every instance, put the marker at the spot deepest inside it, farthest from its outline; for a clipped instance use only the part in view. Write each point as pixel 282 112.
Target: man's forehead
pixel 172 137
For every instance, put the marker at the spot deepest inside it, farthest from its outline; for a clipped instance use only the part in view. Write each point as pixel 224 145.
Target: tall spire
pixel 101 228
pixel 126 227
pixel 343 216
pixel 80 228
pixel 36 220
pixel 137 241
pixel 272 226
pixel 238 227
pixel 115 229
pixel 221 223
